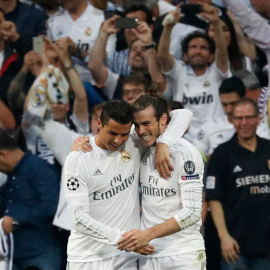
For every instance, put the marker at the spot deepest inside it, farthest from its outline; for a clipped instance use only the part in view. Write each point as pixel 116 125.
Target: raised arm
pixel 221 54
pixel 165 58
pixel 15 94
pixel 245 43
pixel 143 32
pixel 252 23
pixel 80 106
pixel 98 52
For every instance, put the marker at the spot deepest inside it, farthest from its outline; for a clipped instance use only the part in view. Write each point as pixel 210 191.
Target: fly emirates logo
pixel 253 180
pixel 152 190
pixel 118 185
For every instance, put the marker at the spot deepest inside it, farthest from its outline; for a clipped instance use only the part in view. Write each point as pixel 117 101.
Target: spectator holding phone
pixel 29 22
pixel 118 61
pixel 142 58
pixel 195 81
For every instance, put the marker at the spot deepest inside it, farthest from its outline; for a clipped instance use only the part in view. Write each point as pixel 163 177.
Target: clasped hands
pixel 136 241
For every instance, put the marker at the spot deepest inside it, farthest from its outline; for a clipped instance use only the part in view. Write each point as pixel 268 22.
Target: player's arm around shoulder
pixel 180 120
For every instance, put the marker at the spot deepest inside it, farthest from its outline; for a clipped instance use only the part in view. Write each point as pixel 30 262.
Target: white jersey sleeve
pixel 190 167
pixel 110 84
pixel 201 141
pixel 82 127
pixel 180 120
pixel 178 72
pixel 77 178
pixel 59 139
pixel 252 23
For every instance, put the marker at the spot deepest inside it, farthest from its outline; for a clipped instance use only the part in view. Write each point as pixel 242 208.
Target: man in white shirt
pixel 102 190
pixel 171 209
pixel 142 59
pixel 218 130
pixel 196 83
pixel 80 21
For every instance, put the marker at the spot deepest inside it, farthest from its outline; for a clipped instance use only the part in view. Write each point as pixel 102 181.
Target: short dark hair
pixel 247 101
pixel 141 7
pixel 198 34
pixel 117 110
pixel 137 78
pixel 233 85
pixel 159 104
pixel 7 140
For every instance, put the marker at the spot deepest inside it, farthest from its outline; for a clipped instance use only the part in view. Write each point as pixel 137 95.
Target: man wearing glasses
pixel 238 190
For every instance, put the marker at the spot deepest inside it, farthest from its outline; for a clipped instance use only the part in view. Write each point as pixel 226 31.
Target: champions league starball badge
pixel 73 184
pixel 125 156
pixel 189 167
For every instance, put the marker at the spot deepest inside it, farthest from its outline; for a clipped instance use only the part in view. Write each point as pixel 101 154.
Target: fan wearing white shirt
pixel 195 81
pixel 80 21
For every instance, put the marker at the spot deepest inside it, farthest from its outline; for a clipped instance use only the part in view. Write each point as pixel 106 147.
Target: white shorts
pixel 127 261
pixel 191 261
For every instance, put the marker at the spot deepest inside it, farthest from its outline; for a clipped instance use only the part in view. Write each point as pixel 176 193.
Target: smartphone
pixel 108 14
pixel 191 9
pixel 37 44
pixel 122 23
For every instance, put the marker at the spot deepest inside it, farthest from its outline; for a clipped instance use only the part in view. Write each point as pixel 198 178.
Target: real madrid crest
pixel 125 156
pixel 206 84
pixel 88 31
pixel 39 95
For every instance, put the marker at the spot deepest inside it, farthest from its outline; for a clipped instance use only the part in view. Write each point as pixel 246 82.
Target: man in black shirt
pixel 238 190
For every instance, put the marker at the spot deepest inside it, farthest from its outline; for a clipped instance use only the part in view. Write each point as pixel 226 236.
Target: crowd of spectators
pixel 53 91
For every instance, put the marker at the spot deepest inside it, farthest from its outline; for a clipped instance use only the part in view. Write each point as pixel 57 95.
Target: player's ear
pixel 99 124
pixel 163 120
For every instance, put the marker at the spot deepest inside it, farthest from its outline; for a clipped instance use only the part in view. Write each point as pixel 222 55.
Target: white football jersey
pixel 163 199
pixel 197 93
pixel 84 32
pixel 103 198
pixel 212 134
